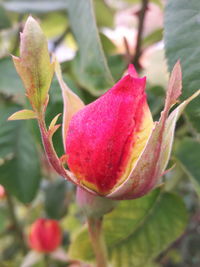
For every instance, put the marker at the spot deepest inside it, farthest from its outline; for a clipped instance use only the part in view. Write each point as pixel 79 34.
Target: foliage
pixel 183 44
pixel 159 229
pixel 140 235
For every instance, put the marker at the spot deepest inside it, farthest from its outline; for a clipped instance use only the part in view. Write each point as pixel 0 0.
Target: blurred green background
pixel 95 41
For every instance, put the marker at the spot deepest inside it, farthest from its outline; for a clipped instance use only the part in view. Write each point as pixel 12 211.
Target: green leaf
pixel 107 44
pixel 182 41
pixel 117 65
pixel 55 199
pixel 71 222
pixel 157 2
pixel 35 6
pixel 20 168
pixel 156 96
pixel 137 230
pixel 4 20
pixel 90 66
pixel 3 218
pixel 54 121
pixel 102 8
pixel 188 155
pixel 10 86
pixel 54 24
pixel 153 38
pixel 24 114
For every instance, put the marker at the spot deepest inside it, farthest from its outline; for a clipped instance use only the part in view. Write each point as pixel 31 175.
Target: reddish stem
pixel 50 151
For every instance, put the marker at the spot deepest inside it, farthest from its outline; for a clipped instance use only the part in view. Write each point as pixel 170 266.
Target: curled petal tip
pixel 132 71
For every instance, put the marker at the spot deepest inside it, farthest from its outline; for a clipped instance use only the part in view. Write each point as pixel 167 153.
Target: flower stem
pixel 47 260
pixel 97 240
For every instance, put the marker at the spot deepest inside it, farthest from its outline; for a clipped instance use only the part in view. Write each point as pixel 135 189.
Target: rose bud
pixel 113 147
pixel 45 235
pixel 106 137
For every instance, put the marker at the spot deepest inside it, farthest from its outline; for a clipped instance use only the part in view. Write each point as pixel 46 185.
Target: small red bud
pixel 45 235
pixel 2 192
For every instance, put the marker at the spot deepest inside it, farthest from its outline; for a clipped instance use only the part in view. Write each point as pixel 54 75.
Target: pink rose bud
pixel 45 235
pixel 113 147
pixel 105 138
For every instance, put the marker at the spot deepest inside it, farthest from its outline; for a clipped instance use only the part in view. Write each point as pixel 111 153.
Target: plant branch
pixel 15 223
pixel 97 240
pixel 138 49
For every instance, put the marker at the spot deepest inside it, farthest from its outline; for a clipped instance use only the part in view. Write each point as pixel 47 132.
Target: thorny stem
pixel 138 48
pixel 15 223
pixel 97 240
